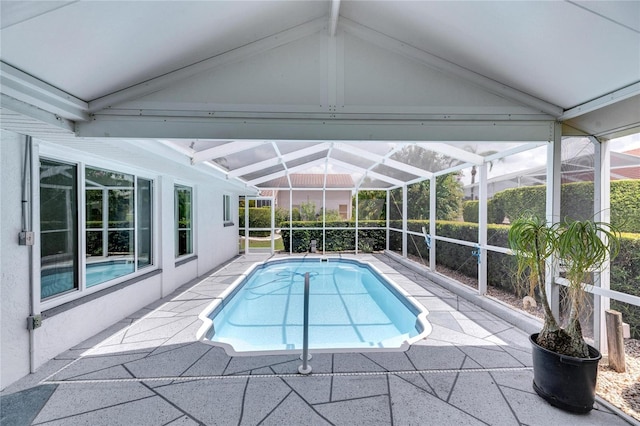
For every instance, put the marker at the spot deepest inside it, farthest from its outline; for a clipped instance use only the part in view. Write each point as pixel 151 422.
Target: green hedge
pixel 336 239
pixel 576 203
pixel 625 277
pixel 470 211
pixel 459 257
pixel 259 217
pixel 625 205
pixel 625 268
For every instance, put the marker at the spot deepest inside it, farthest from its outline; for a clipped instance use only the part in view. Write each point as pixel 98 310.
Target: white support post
pixel 602 213
pixel 105 222
pixel 482 231
pixel 388 206
pixel 290 220
pixel 273 226
pixel 432 222
pixel 404 220
pixel 554 163
pixel 356 240
pixel 324 214
pixel 246 225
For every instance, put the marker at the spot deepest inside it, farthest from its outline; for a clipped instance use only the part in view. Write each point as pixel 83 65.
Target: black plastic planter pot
pixel 563 381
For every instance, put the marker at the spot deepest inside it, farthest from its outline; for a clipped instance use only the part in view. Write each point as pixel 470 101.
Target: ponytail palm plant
pixel 581 247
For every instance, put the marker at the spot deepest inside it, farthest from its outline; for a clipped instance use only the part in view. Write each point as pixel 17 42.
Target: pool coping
pixel 206 329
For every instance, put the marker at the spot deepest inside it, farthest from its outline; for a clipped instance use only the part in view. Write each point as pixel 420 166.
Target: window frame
pixel 76 235
pixel 106 230
pixel 227 216
pixel 176 221
pixel 81 162
pixel 152 225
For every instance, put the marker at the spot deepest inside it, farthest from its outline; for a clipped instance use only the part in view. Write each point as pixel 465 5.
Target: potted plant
pixel 564 365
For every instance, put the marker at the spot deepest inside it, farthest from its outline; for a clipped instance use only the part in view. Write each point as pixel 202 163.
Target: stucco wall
pixel 14 265
pixel 65 330
pixel 213 244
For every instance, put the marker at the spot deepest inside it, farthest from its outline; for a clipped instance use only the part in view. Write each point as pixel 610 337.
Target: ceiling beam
pixel 333 20
pixel 453 169
pixel 229 148
pixel 447 67
pixel 602 101
pixel 282 173
pixel 168 150
pixel 367 172
pixel 241 171
pixel 40 115
pixel 379 159
pixel 284 164
pixel 314 130
pixel 326 167
pixel 453 152
pixel 395 149
pixel 28 89
pixel 142 108
pixel 234 55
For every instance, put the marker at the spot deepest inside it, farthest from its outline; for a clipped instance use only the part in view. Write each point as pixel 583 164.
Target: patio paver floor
pixel 473 369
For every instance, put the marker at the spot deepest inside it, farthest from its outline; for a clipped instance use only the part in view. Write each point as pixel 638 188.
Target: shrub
pixel 625 268
pixel 576 203
pixel 470 211
pixel 625 277
pixel 336 239
pixel 625 205
pixel 259 217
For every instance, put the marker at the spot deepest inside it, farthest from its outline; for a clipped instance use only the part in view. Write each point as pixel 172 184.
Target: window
pixel 226 210
pixel 58 228
pixel 263 203
pixel 117 218
pixel 183 206
pixel 342 209
pixel 109 225
pixel 145 222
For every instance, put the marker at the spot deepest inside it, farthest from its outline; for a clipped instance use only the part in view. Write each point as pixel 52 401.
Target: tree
pixel 372 205
pixel 330 215
pixel 449 191
pixel 308 211
pixel 449 195
pixel 474 169
pixel 422 158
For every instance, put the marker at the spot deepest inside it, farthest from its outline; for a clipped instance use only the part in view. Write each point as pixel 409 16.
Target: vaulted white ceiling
pixel 321 74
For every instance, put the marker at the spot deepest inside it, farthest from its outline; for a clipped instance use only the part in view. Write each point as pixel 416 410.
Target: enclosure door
pixel 260 235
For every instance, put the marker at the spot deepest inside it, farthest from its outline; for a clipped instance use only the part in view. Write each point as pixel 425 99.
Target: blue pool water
pixel 351 307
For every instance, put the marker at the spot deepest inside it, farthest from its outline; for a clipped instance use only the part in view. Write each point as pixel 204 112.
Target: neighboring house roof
pixel 635 152
pixel 311 180
pixel 267 193
pixel 629 172
pixel 624 165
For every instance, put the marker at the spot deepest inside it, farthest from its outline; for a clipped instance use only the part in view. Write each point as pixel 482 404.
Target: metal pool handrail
pixel 305 368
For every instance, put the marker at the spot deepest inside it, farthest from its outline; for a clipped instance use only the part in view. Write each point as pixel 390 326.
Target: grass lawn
pixel 279 245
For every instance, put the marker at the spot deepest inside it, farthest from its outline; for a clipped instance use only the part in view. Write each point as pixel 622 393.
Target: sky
pixel 537 157
pixel 520 162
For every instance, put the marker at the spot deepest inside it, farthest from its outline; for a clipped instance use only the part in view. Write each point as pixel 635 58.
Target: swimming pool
pixel 352 307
